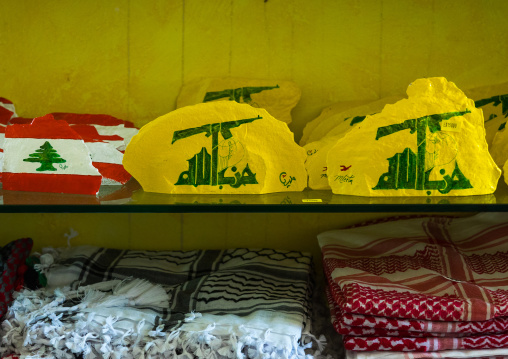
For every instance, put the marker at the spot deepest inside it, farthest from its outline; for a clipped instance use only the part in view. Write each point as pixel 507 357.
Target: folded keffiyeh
pixel 430 268
pixel 423 284
pixel 358 324
pixel 375 339
pixel 448 354
pixel 378 330
pixel 236 303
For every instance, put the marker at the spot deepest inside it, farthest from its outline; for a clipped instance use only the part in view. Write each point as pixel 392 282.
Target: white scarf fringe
pixel 106 324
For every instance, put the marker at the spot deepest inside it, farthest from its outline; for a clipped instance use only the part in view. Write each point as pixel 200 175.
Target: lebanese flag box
pixel 105 125
pixel 48 156
pixel 2 139
pixel 7 112
pixel 105 157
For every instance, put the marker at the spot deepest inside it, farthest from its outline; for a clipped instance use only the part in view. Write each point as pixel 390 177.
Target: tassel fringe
pixel 39 325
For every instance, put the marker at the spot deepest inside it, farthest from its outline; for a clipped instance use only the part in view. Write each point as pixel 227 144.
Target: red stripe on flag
pixel 43 127
pixel 5 115
pixel 20 121
pixel 80 120
pixel 4 100
pixel 88 119
pixel 90 134
pixel 113 171
pixel 55 183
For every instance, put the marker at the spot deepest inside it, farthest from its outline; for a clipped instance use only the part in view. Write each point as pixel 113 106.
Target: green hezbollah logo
pixel 237 94
pixel 206 169
pixel 408 170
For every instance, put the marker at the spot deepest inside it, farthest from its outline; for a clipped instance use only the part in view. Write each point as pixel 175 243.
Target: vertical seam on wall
pixel 129 221
pixel 183 42
pixel 265 243
pixel 225 244
pixel 292 72
pixel 268 39
pixel 432 39
pixel 322 70
pixel 181 230
pixel 230 37
pixel 380 89
pixel 129 117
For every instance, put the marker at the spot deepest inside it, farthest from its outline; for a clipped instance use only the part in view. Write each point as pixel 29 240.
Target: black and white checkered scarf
pixel 236 303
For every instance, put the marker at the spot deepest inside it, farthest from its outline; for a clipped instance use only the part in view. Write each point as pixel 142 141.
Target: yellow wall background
pixel 129 58
pixel 152 231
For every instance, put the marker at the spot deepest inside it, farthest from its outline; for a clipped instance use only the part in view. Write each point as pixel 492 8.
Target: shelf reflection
pixel 285 198
pixel 456 200
pixel 131 198
pixel 41 198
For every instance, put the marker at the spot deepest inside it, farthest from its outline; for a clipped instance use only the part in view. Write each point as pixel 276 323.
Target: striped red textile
pixel 425 344
pixel 374 339
pixel 445 354
pixel 382 326
pixel 358 324
pixel 431 268
pixel 420 284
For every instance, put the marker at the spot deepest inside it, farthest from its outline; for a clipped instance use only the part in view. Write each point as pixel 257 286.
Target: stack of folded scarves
pixel 100 302
pixel 425 287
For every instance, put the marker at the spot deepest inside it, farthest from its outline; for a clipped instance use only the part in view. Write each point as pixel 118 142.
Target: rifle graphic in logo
pixel 205 169
pixel 408 170
pixel 237 94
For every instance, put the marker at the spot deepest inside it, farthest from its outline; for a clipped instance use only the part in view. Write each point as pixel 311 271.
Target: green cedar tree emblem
pixel 46 155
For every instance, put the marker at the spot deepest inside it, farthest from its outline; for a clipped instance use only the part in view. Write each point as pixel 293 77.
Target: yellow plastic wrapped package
pixel 327 112
pixel 317 153
pixel 275 96
pixel 218 147
pixel 493 101
pixel 333 121
pixel 343 122
pixel 499 147
pixel 432 143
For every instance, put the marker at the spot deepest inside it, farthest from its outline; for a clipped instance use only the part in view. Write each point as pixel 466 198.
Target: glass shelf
pixel 130 198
